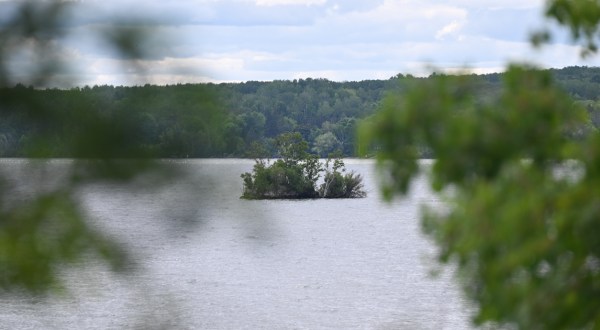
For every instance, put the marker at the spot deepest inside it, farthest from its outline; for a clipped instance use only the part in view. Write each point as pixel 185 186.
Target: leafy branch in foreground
pixel 296 173
pixel 522 177
pixel 47 229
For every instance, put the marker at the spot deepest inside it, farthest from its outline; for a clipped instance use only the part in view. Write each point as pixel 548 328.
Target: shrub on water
pixel 295 175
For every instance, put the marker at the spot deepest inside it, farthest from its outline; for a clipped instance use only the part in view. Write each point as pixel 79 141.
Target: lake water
pixel 209 260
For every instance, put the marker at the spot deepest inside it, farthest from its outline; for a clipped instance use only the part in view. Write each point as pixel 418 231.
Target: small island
pixel 296 173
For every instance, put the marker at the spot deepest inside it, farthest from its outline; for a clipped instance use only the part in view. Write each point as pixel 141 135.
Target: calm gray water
pixel 208 260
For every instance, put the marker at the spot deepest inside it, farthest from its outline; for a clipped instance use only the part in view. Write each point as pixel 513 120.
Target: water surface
pixel 209 260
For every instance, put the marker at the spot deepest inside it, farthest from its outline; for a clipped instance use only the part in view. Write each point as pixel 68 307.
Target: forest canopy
pixel 238 119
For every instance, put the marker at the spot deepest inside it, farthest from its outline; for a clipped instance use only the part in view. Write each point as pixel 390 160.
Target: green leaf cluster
pixel 45 230
pixel 40 236
pixel 520 173
pixel 522 220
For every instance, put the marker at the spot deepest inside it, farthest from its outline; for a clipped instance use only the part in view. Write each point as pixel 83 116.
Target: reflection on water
pixel 209 260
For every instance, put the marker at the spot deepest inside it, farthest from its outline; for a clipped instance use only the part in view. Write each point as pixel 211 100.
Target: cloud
pixel 289 2
pixel 344 40
pixel 391 21
pixel 237 40
pixel 449 29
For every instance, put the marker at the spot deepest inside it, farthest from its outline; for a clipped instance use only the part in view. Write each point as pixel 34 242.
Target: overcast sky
pixel 240 40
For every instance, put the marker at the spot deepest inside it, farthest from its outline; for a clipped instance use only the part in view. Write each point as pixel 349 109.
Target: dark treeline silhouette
pixel 234 119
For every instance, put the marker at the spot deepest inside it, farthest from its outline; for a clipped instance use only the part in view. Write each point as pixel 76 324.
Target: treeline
pixel 230 119
pixel 324 112
pixel 171 121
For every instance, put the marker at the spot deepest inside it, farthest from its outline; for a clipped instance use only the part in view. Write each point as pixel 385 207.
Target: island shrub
pixel 338 185
pixel 278 180
pixel 296 173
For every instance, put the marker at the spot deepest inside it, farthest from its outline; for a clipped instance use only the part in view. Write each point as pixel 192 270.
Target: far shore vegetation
pixel 233 120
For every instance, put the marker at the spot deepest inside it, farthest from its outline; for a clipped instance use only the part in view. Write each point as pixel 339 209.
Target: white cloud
pixel 236 40
pixel 449 29
pixel 290 2
pixel 390 21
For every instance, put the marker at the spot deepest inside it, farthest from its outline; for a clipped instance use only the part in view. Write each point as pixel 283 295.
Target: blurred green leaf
pixel 46 231
pixel 520 171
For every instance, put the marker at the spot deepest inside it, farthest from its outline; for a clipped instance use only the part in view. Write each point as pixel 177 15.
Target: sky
pixel 240 40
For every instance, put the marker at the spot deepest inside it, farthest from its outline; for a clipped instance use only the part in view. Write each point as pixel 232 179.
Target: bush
pixel 336 185
pixel 295 175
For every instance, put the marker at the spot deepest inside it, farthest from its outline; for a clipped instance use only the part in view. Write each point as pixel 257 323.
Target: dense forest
pixel 232 119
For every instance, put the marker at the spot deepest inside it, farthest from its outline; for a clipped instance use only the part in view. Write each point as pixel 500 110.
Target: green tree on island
pixel 296 173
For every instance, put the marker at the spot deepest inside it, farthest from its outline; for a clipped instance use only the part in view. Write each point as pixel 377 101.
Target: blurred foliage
pixel 520 172
pixel 582 18
pixel 44 230
pixel 154 121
